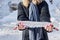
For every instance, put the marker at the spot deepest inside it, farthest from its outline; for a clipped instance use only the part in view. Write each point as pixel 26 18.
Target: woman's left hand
pixel 49 27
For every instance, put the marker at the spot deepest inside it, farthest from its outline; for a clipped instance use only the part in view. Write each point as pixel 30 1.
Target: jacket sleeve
pixel 45 15
pixel 21 14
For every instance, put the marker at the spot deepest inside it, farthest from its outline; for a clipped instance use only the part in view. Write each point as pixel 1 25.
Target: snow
pixel 10 35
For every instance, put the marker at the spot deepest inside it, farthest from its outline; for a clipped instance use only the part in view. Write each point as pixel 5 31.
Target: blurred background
pixel 8 19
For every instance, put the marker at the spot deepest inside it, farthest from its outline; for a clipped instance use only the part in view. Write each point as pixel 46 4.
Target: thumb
pixel 15 28
pixel 56 29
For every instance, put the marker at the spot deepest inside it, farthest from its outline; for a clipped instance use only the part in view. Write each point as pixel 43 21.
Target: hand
pixel 49 27
pixel 21 26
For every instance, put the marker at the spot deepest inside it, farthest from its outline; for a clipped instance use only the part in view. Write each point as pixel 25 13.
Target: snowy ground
pixel 17 35
pixel 10 35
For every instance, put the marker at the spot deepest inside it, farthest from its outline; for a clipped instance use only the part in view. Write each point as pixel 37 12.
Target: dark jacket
pixel 23 14
pixel 44 12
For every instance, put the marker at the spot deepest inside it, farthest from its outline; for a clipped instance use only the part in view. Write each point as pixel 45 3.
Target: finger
pixel 22 24
pixel 56 28
pixel 51 27
pixel 15 28
pixel 46 28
